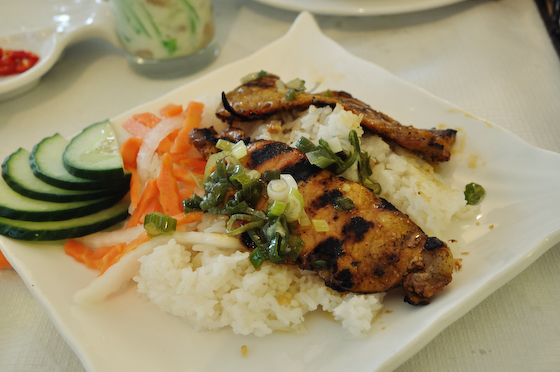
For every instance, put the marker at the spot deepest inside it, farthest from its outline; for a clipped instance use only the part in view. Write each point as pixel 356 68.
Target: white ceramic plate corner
pixel 358 7
pixel 126 333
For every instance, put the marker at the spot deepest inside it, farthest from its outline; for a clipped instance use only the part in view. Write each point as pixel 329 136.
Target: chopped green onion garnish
pixel 224 145
pixel 157 223
pixel 295 246
pixel 211 163
pixel 320 225
pixel 320 158
pixel 373 186
pixel 256 258
pixel 277 208
pixel 240 177
pixel 270 175
pixel 239 150
pixel 335 144
pixel 304 145
pixel 290 180
pixel 295 205
pixel 291 95
pixel 253 76
pixel 296 84
pixel 254 174
pixel 277 190
pixel 304 219
pixel 193 204
pixel 474 193
pixel 252 222
pixel 344 204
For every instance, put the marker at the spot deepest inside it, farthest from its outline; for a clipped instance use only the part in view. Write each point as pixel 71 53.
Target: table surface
pixel 493 58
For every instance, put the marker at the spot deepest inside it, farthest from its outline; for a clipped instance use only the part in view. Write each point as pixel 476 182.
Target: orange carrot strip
pixel 169 196
pixel 92 258
pixel 75 249
pixel 129 152
pixel 186 191
pixel 178 156
pixel 4 264
pixel 184 218
pixel 150 193
pixel 135 188
pixel 193 116
pixel 154 206
pixel 142 238
pixel 136 128
pixel 167 142
pixel 147 119
pixel 171 110
pixel 185 176
pixel 197 165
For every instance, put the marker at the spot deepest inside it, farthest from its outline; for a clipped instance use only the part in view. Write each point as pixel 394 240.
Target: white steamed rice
pixel 212 288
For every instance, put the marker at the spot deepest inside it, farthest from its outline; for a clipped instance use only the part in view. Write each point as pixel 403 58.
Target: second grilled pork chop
pixel 371 248
pixel 260 98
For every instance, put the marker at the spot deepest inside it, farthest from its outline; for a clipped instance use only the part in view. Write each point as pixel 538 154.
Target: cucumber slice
pixel 19 207
pixel 18 175
pixel 72 228
pixel 46 162
pixel 94 153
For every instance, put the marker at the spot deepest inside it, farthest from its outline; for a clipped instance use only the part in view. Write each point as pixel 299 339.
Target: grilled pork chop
pixel 371 248
pixel 260 98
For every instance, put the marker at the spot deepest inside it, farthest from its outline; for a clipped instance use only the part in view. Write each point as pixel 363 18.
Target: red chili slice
pixel 16 61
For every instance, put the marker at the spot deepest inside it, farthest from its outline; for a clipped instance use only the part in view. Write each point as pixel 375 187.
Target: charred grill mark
pixel 358 227
pixel 302 170
pixel 267 152
pixel 386 205
pixel 379 272
pixel 433 243
pixel 344 278
pixel 328 250
pixel 328 197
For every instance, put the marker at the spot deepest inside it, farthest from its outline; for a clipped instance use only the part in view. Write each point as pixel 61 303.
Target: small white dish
pixel 518 222
pixel 66 28
pixel 358 7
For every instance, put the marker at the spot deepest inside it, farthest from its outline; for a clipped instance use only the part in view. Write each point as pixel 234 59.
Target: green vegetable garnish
pixel 291 95
pixel 270 175
pixel 323 157
pixel 474 193
pixel 304 145
pixel 344 204
pixel 253 76
pixel 157 223
pixel 224 145
pixel 256 258
pixel 230 189
pixel 276 208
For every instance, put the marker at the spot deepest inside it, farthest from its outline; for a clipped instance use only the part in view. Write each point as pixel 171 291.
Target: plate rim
pixel 322 8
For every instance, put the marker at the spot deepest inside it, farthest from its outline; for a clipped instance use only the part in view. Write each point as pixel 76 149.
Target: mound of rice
pixel 212 288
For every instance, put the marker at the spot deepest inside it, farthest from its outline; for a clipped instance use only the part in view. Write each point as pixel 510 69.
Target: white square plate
pixel 519 221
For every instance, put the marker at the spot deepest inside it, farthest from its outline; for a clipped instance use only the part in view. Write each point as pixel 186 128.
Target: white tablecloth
pixel 493 58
